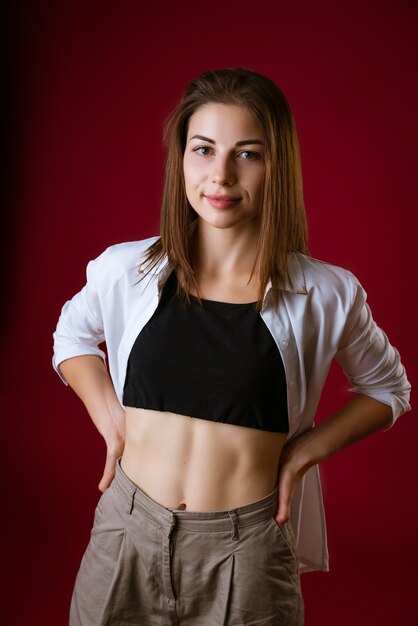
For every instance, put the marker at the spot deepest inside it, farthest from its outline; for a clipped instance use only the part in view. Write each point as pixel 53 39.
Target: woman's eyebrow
pixel 243 142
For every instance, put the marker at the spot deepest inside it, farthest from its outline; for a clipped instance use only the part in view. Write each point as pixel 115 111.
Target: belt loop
pixel 132 502
pixel 234 521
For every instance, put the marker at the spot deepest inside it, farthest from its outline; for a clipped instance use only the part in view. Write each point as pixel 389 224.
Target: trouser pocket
pixel 285 533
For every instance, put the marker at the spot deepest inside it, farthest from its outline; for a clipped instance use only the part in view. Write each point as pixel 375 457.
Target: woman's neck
pixel 220 252
pixel 223 262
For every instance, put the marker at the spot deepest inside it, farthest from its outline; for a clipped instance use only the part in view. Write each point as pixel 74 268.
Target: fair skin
pixel 184 462
pixel 226 236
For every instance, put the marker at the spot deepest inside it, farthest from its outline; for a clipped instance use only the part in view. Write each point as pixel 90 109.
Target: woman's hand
pixel 359 418
pixel 114 450
pixel 291 471
pixel 114 436
pixel 88 377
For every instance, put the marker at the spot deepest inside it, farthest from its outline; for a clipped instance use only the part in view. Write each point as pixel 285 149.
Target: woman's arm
pixel 87 376
pixel 378 379
pixel 360 417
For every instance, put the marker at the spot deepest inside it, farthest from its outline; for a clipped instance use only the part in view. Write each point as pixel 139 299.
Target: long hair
pixel 282 218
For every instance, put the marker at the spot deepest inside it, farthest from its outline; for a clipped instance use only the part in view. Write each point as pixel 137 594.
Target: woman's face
pixel 223 165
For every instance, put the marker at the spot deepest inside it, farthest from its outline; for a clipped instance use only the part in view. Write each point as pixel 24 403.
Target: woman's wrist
pixel 357 419
pixel 303 452
pixel 110 422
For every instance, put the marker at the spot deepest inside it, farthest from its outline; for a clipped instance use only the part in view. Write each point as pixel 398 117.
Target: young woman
pixel 220 334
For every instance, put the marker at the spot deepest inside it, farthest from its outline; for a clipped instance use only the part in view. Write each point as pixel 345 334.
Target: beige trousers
pixel 150 565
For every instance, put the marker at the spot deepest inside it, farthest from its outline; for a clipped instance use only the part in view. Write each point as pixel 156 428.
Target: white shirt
pixel 322 314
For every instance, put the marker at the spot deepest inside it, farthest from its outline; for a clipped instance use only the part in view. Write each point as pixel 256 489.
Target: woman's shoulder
pixel 318 268
pixel 327 278
pixel 121 258
pixel 125 251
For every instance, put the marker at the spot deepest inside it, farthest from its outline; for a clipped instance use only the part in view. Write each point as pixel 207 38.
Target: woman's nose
pixel 223 172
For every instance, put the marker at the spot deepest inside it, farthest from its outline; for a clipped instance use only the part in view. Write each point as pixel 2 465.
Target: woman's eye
pixel 247 155
pixel 202 150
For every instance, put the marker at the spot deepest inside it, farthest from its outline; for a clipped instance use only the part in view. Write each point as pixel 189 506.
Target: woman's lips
pixel 222 201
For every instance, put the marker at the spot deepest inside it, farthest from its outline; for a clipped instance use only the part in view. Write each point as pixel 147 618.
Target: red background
pixel 91 84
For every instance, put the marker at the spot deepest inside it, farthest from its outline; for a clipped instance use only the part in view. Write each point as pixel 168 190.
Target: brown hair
pixel 283 227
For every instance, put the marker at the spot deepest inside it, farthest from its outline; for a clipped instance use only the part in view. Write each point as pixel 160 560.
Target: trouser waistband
pixel 242 516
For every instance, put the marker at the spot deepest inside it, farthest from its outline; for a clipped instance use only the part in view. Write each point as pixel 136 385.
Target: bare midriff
pixel 183 462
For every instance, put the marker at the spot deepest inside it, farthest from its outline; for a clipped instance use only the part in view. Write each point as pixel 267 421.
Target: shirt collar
pixel 295 282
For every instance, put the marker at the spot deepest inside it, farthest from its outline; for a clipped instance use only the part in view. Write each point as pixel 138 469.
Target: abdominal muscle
pixel 183 462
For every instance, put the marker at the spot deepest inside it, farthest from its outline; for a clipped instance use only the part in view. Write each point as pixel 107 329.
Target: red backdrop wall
pixel 91 84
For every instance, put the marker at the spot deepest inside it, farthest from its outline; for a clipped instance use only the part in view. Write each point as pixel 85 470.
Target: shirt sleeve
pixel 371 364
pixel 80 326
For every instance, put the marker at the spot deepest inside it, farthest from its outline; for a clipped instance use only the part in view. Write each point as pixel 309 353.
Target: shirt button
pixel 291 383
pixel 285 343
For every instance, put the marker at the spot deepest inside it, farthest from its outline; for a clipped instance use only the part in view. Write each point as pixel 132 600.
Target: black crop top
pixel 218 362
